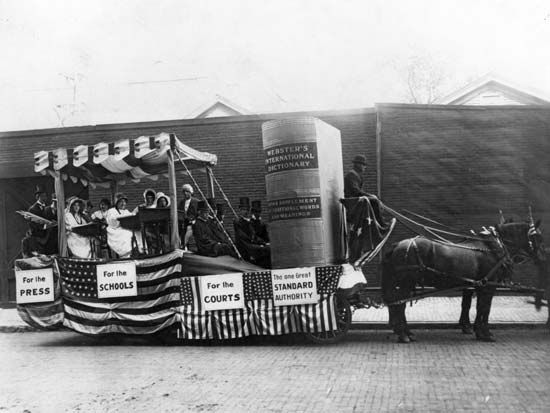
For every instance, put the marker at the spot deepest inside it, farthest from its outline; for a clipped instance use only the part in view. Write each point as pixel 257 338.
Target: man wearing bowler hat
pixel 353 181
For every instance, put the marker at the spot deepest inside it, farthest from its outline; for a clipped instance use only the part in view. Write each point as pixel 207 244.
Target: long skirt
pixel 79 246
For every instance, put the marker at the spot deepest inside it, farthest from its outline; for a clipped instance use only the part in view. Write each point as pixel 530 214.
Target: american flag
pixel 41 315
pixel 260 316
pixel 166 297
pixel 156 306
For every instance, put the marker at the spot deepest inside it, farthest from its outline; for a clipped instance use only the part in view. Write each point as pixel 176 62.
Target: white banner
pixel 293 286
pixel 34 286
pixel 116 280
pixel 222 292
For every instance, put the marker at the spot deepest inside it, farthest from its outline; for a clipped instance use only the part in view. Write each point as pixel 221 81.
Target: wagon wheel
pixel 343 323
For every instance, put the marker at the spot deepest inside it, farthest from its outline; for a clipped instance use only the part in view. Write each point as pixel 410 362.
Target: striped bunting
pixel 41 315
pixel 156 306
pixel 260 316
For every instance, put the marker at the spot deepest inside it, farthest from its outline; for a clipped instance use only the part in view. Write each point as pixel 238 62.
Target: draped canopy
pixel 126 159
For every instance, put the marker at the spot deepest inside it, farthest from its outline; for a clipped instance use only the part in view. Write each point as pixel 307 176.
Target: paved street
pixel 444 371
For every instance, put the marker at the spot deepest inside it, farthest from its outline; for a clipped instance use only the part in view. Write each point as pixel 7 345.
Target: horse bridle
pixel 523 254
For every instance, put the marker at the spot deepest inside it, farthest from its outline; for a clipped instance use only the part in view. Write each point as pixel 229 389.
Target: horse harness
pixel 504 261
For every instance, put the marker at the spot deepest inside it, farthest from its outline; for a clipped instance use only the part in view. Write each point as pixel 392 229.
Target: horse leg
pixel 464 321
pixel 401 324
pixel 484 299
pixel 408 332
pixel 391 317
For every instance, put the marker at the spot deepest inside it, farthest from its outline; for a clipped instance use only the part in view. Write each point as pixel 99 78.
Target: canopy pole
pixel 209 183
pixel 114 190
pixel 174 233
pixel 61 232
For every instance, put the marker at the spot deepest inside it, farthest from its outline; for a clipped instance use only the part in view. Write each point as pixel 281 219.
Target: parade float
pixel 308 289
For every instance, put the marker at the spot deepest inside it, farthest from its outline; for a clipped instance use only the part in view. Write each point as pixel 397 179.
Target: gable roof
pixel 503 92
pixel 220 107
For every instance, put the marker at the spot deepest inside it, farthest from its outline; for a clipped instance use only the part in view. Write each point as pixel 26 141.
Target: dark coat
pixel 353 185
pixel 260 229
pixel 38 230
pixel 250 246
pixel 190 214
pixel 208 242
pixel 51 246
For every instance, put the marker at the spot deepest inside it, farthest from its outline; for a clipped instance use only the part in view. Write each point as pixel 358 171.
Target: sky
pixel 67 63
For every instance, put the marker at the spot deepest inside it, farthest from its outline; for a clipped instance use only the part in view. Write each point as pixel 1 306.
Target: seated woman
pixel 79 246
pixel 101 217
pixel 162 200
pixel 161 238
pixel 121 240
pixel 149 196
pixel 101 214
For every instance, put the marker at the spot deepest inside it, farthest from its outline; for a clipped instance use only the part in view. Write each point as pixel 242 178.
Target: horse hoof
pixel 403 339
pixel 467 330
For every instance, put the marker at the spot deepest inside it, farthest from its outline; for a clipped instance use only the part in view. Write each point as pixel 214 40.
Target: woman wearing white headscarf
pixel 120 239
pixel 79 246
pixel 149 199
pixel 162 200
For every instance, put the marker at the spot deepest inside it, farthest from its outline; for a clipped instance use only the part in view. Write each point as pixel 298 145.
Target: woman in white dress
pixel 118 238
pixel 79 246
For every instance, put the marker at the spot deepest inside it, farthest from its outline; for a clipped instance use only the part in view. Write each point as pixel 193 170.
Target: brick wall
pixel 460 165
pixel 455 164
pixel 237 141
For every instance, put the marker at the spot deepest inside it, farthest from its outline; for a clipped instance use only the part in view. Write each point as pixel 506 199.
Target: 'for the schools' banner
pixel 116 280
pixel 293 286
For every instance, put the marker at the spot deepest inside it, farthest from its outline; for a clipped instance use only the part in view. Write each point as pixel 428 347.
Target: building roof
pixel 219 108
pixel 491 89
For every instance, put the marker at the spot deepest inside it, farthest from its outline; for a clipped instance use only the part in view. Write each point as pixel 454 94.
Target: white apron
pixel 118 238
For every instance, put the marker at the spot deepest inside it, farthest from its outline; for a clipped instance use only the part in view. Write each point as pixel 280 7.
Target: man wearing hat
pixel 188 205
pixel 256 218
pixel 214 220
pixel 50 212
pixel 208 242
pixel 353 181
pixel 250 246
pixel 39 209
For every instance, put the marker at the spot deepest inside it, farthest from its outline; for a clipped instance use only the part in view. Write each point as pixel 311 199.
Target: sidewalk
pixel 438 312
pixel 432 312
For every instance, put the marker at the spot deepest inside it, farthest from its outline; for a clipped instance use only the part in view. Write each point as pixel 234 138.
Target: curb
pixel 448 325
pixel 354 326
pixel 29 329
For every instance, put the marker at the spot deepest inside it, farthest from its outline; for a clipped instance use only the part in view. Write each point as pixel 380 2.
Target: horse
pixel 543 269
pixel 481 262
pixel 538 254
